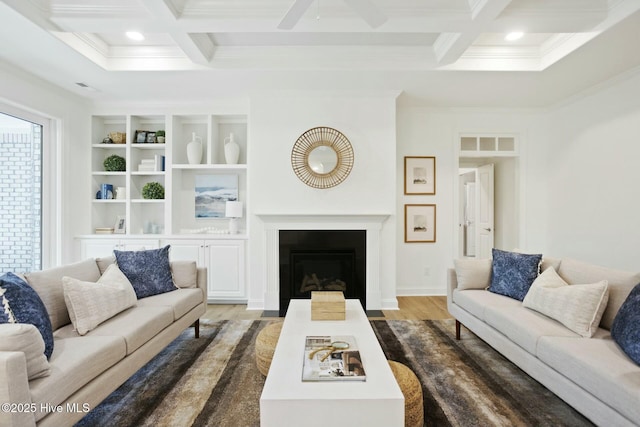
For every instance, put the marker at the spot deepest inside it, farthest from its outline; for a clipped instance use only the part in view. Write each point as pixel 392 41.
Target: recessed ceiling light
pixel 513 36
pixel 135 35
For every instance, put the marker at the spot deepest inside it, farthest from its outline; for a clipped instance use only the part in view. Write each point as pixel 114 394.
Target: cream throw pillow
pixel 185 274
pixel 90 304
pixel 578 307
pixel 473 273
pixel 26 338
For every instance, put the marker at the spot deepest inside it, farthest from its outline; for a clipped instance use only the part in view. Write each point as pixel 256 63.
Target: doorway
pixel 487 205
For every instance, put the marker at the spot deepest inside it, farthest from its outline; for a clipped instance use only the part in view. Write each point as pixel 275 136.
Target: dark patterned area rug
pixel 213 381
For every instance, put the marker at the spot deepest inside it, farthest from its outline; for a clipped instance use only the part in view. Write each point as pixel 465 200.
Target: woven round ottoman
pixel 412 391
pixel 266 345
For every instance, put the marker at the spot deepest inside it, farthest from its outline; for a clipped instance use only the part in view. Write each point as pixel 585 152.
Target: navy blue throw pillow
pixel 626 326
pixel 19 303
pixel 513 273
pixel 148 271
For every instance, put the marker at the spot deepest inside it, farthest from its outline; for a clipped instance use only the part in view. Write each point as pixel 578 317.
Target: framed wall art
pixel 419 223
pixel 212 192
pixel 420 175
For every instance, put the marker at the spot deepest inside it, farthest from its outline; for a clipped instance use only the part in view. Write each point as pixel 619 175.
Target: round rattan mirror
pixel 322 157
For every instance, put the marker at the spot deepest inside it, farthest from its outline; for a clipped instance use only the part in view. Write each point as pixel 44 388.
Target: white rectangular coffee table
pixel 288 401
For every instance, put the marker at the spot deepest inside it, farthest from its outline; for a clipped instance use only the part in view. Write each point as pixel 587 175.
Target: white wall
pixel 369 122
pixel 422 267
pixel 71 115
pixel 592 167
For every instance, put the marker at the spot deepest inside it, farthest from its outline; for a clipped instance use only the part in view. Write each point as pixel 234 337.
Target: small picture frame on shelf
pixel 120 226
pixel 151 138
pixel 420 175
pixel 419 223
pixel 141 136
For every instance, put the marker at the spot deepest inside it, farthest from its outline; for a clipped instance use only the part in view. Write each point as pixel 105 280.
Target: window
pixel 21 225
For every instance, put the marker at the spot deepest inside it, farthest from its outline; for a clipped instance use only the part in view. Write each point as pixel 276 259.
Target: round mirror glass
pixel 323 159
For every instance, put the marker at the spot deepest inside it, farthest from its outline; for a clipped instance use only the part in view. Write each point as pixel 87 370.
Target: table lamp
pixel 233 210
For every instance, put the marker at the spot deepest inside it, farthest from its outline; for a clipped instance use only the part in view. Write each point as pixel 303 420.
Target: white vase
pixel 231 150
pixel 194 150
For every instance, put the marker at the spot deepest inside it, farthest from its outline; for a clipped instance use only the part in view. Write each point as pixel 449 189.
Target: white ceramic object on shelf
pixel 121 193
pixel 231 150
pixel 194 150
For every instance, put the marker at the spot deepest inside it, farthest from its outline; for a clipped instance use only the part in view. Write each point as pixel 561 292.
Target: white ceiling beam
pixel 198 47
pixel 35 10
pixel 449 47
pixel 157 18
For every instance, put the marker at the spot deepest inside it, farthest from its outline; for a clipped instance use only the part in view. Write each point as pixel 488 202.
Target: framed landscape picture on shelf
pixel 419 223
pixel 420 175
pixel 212 192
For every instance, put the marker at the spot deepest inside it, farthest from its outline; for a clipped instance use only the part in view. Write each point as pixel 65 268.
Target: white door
pixel 484 211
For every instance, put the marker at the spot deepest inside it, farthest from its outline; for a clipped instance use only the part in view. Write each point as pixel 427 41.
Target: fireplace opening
pixel 321 271
pixel 322 260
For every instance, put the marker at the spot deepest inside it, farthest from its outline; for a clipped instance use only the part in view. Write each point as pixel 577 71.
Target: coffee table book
pixel 339 364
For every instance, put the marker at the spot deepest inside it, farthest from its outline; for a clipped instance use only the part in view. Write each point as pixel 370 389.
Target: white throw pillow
pixel 90 304
pixel 578 307
pixel 26 338
pixel 473 273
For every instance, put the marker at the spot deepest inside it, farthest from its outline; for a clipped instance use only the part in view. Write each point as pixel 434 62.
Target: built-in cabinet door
pixel 138 244
pixel 186 250
pixel 226 262
pixel 97 248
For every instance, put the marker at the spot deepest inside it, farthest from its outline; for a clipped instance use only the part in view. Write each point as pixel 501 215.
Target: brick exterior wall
pixel 21 206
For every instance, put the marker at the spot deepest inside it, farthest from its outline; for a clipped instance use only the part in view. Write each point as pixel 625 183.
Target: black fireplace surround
pixel 322 260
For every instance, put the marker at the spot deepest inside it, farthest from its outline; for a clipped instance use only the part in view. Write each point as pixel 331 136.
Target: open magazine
pixel 332 358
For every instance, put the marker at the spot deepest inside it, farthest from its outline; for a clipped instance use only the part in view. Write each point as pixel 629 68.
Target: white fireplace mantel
pixel 371 223
pixel 324 221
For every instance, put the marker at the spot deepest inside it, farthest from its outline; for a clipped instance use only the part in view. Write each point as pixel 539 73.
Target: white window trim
pixel 51 181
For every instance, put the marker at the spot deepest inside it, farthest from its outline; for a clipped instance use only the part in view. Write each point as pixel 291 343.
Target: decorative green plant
pixel 115 163
pixel 153 190
pixel 160 133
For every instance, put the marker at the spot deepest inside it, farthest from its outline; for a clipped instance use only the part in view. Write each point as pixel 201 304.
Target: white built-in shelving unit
pixel 154 223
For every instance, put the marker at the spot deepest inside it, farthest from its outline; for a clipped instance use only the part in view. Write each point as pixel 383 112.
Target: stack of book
pixel 152 165
pixel 104 230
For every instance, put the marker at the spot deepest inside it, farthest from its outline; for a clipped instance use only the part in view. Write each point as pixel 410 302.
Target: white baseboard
pixel 421 292
pixel 390 304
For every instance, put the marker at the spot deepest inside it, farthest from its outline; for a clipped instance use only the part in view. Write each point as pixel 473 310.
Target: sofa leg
pixel 196 325
pixel 458 329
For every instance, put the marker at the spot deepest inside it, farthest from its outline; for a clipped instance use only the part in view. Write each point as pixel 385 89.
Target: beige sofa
pixel 591 374
pixel 84 370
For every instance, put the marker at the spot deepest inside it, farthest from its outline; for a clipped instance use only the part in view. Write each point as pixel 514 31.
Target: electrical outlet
pixel 427 271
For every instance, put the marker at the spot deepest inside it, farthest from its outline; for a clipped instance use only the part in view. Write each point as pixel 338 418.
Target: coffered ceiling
pixel 384 36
